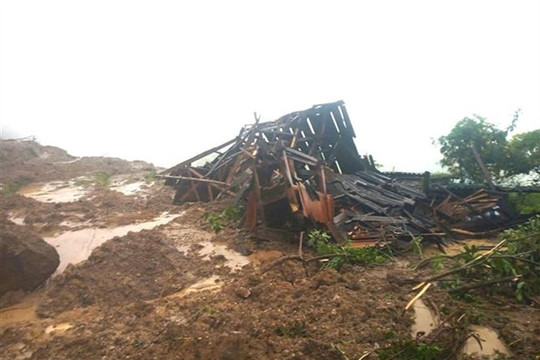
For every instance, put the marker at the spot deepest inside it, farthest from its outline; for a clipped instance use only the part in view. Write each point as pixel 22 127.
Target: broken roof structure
pixel 304 170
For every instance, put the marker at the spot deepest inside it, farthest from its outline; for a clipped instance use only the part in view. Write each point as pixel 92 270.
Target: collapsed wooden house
pixel 304 170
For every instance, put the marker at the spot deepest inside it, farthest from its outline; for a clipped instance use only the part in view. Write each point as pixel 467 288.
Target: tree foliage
pixel 524 153
pixel 502 157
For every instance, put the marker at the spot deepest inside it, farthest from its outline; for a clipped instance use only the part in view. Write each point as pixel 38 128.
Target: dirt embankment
pixel 24 162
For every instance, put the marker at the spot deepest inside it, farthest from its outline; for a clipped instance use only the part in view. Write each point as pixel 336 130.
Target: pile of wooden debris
pixel 303 170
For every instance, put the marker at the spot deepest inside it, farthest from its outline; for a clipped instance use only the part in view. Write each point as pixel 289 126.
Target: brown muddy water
pixel 129 188
pixel 54 192
pixel 72 190
pixel 76 246
pixel 234 260
pixel 425 320
pixel 490 346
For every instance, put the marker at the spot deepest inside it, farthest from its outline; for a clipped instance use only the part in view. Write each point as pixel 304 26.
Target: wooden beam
pixel 192 179
pixel 197 157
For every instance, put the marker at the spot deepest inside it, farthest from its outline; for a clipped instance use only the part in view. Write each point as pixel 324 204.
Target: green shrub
pixel 102 178
pixel 366 256
pixel 228 217
pixel 150 176
pixel 14 186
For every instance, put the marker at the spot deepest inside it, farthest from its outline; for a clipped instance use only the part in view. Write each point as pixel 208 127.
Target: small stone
pixel 242 292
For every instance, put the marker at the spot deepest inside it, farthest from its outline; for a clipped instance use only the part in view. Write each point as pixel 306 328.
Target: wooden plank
pixel 334 231
pixel 257 189
pixel 295 138
pixel 287 168
pixel 234 169
pixel 379 219
pixel 310 160
pixel 251 211
pixel 247 153
pixel 192 179
pixel 197 157
pixel 221 159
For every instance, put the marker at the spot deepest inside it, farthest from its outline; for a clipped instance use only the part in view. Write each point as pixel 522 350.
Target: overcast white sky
pixel 164 80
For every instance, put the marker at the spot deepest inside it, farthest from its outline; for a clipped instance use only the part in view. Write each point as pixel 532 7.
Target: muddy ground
pixel 180 291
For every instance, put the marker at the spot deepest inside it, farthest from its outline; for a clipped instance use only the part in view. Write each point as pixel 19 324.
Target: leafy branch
pixel 510 267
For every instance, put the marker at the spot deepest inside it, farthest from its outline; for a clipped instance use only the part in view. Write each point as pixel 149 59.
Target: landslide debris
pixel 163 294
pixel 27 161
pixel 136 267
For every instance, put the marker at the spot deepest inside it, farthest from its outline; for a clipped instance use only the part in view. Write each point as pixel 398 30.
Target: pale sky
pixel 164 80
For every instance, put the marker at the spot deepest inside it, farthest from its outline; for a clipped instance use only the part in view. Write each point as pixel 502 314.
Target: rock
pixel 242 292
pixel 26 260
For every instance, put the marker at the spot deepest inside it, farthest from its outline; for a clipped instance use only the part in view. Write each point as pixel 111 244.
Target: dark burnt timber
pixel 303 171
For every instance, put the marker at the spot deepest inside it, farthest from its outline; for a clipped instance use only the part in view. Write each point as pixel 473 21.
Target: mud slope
pixel 24 162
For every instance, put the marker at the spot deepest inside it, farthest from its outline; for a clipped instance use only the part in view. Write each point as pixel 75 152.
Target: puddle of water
pixel 234 260
pixel 16 220
pixel 16 314
pixel 129 188
pixel 76 246
pixel 54 192
pixel 58 328
pixel 425 320
pixel 491 344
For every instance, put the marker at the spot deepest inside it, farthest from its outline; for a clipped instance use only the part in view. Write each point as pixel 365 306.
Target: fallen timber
pixel 303 170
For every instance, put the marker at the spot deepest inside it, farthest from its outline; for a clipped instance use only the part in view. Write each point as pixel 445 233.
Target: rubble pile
pixel 303 170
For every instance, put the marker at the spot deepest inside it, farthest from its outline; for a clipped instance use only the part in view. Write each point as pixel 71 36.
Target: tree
pixel 524 153
pixel 457 148
pixel 474 143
